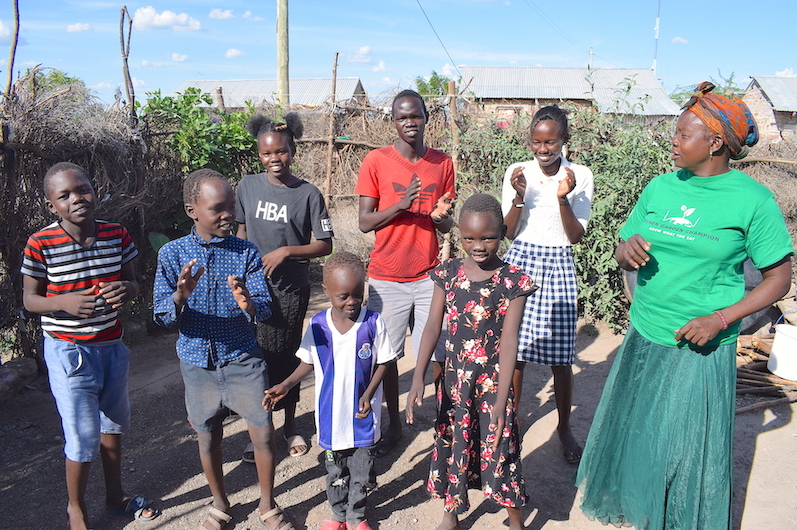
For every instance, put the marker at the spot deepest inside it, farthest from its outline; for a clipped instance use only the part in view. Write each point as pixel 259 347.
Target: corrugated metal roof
pixel 310 92
pixel 605 86
pixel 780 91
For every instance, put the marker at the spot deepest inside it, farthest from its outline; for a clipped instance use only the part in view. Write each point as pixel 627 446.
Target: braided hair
pixel 552 112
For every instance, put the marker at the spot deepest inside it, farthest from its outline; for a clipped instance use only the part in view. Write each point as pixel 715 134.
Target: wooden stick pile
pixel 752 376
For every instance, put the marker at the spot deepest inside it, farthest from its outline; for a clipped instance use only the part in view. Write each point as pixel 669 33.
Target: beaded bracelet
pixel 722 318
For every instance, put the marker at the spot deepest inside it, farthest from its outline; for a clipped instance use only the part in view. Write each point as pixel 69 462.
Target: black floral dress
pixel 463 456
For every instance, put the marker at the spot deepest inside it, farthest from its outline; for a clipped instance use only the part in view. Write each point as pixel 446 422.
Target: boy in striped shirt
pixel 77 272
pixel 348 348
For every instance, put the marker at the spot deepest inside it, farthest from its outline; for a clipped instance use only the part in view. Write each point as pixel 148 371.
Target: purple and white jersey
pixel 343 366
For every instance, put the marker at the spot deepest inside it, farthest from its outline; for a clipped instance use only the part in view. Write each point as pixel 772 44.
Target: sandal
pixel 215 520
pixel 294 442
pixel 249 454
pixel 385 445
pixel 573 454
pixel 134 508
pixel 282 523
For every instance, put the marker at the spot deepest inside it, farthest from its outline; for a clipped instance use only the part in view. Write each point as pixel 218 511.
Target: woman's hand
pixel 567 184
pixel 632 253
pixel 274 259
pixel 518 181
pixel 700 330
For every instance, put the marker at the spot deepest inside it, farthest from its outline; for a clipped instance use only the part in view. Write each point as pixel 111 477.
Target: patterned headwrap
pixel 726 117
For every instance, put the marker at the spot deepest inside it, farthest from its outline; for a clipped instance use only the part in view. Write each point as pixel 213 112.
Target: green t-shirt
pixel 700 230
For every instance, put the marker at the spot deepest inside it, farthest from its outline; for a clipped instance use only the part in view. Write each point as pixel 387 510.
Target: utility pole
pixel 282 55
pixel 656 38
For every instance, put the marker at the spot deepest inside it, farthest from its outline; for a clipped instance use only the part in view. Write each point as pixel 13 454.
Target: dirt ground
pixel 161 460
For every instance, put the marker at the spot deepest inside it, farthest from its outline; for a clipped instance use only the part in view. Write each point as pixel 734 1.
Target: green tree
pixel 433 87
pixel 725 86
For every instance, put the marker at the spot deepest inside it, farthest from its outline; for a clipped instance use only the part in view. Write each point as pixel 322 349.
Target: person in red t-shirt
pixel 406 192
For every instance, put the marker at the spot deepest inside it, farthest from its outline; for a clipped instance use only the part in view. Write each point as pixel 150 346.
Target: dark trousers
pixel 347 476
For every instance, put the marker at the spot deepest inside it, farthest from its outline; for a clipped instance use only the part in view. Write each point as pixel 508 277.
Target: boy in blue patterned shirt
pixel 210 284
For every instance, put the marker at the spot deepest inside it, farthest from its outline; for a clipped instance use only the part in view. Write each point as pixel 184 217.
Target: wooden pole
pixel 445 252
pixel 131 95
pixel 12 53
pixel 331 140
pixel 282 55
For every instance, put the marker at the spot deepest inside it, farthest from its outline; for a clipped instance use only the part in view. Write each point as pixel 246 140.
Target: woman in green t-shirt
pixel 659 452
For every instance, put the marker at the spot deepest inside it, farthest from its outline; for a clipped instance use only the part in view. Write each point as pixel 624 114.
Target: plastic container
pixel 783 358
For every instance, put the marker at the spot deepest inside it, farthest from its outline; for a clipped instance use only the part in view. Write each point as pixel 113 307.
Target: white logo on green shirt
pixel 682 220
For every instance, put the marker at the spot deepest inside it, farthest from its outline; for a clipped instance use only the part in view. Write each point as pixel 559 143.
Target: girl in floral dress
pixel 476 436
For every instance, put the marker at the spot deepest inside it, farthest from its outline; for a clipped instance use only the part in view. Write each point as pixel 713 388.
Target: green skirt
pixel 659 452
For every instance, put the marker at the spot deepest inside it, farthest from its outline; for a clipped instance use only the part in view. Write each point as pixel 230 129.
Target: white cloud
pixel 138 82
pixel 786 72
pixel 5 33
pixel 379 67
pixel 232 53
pixel 78 28
pixel 680 40
pixel 150 64
pixel 148 19
pixel 221 14
pixel 362 55
pixel 249 15
pixel 448 70
pixel 179 57
pixel 386 80
pixel 104 85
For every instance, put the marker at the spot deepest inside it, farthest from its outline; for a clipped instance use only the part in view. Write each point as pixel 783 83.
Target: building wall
pixel 764 115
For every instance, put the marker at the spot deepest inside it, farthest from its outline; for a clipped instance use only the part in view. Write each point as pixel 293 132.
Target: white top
pixel 541 221
pixel 343 365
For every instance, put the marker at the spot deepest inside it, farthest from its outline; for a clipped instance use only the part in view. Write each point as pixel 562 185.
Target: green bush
pixel 623 158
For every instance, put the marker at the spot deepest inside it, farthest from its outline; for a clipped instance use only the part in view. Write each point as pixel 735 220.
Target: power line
pixel 438 38
pixel 562 32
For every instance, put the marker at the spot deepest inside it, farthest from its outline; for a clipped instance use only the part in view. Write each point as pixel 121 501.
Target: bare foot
pixel 449 522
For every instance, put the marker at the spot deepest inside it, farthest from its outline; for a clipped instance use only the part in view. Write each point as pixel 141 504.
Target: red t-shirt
pixel 407 248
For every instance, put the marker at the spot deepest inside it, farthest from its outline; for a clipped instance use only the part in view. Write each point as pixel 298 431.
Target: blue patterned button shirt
pixel 213 329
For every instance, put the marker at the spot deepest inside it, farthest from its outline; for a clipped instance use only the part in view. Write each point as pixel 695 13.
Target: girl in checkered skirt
pixel 546 205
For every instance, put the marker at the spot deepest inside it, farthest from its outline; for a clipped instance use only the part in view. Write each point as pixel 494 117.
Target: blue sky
pixel 387 43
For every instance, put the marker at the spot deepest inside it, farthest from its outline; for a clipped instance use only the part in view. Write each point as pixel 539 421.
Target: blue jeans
pixel 347 477
pixel 89 384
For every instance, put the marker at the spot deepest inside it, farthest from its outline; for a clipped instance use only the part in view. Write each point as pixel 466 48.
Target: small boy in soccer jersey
pixel 77 272
pixel 348 348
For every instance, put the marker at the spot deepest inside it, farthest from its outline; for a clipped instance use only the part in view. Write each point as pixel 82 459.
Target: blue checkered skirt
pixel 548 331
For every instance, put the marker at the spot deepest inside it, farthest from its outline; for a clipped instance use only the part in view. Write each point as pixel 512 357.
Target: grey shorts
pixel 405 305
pixel 236 385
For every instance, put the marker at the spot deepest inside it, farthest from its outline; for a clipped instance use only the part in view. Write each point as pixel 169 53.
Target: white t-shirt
pixel 343 366
pixel 541 221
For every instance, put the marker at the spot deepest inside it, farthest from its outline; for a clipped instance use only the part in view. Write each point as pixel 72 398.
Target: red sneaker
pixel 332 525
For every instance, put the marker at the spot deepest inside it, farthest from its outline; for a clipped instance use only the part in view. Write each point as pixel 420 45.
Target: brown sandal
pixel 282 523
pixel 215 520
